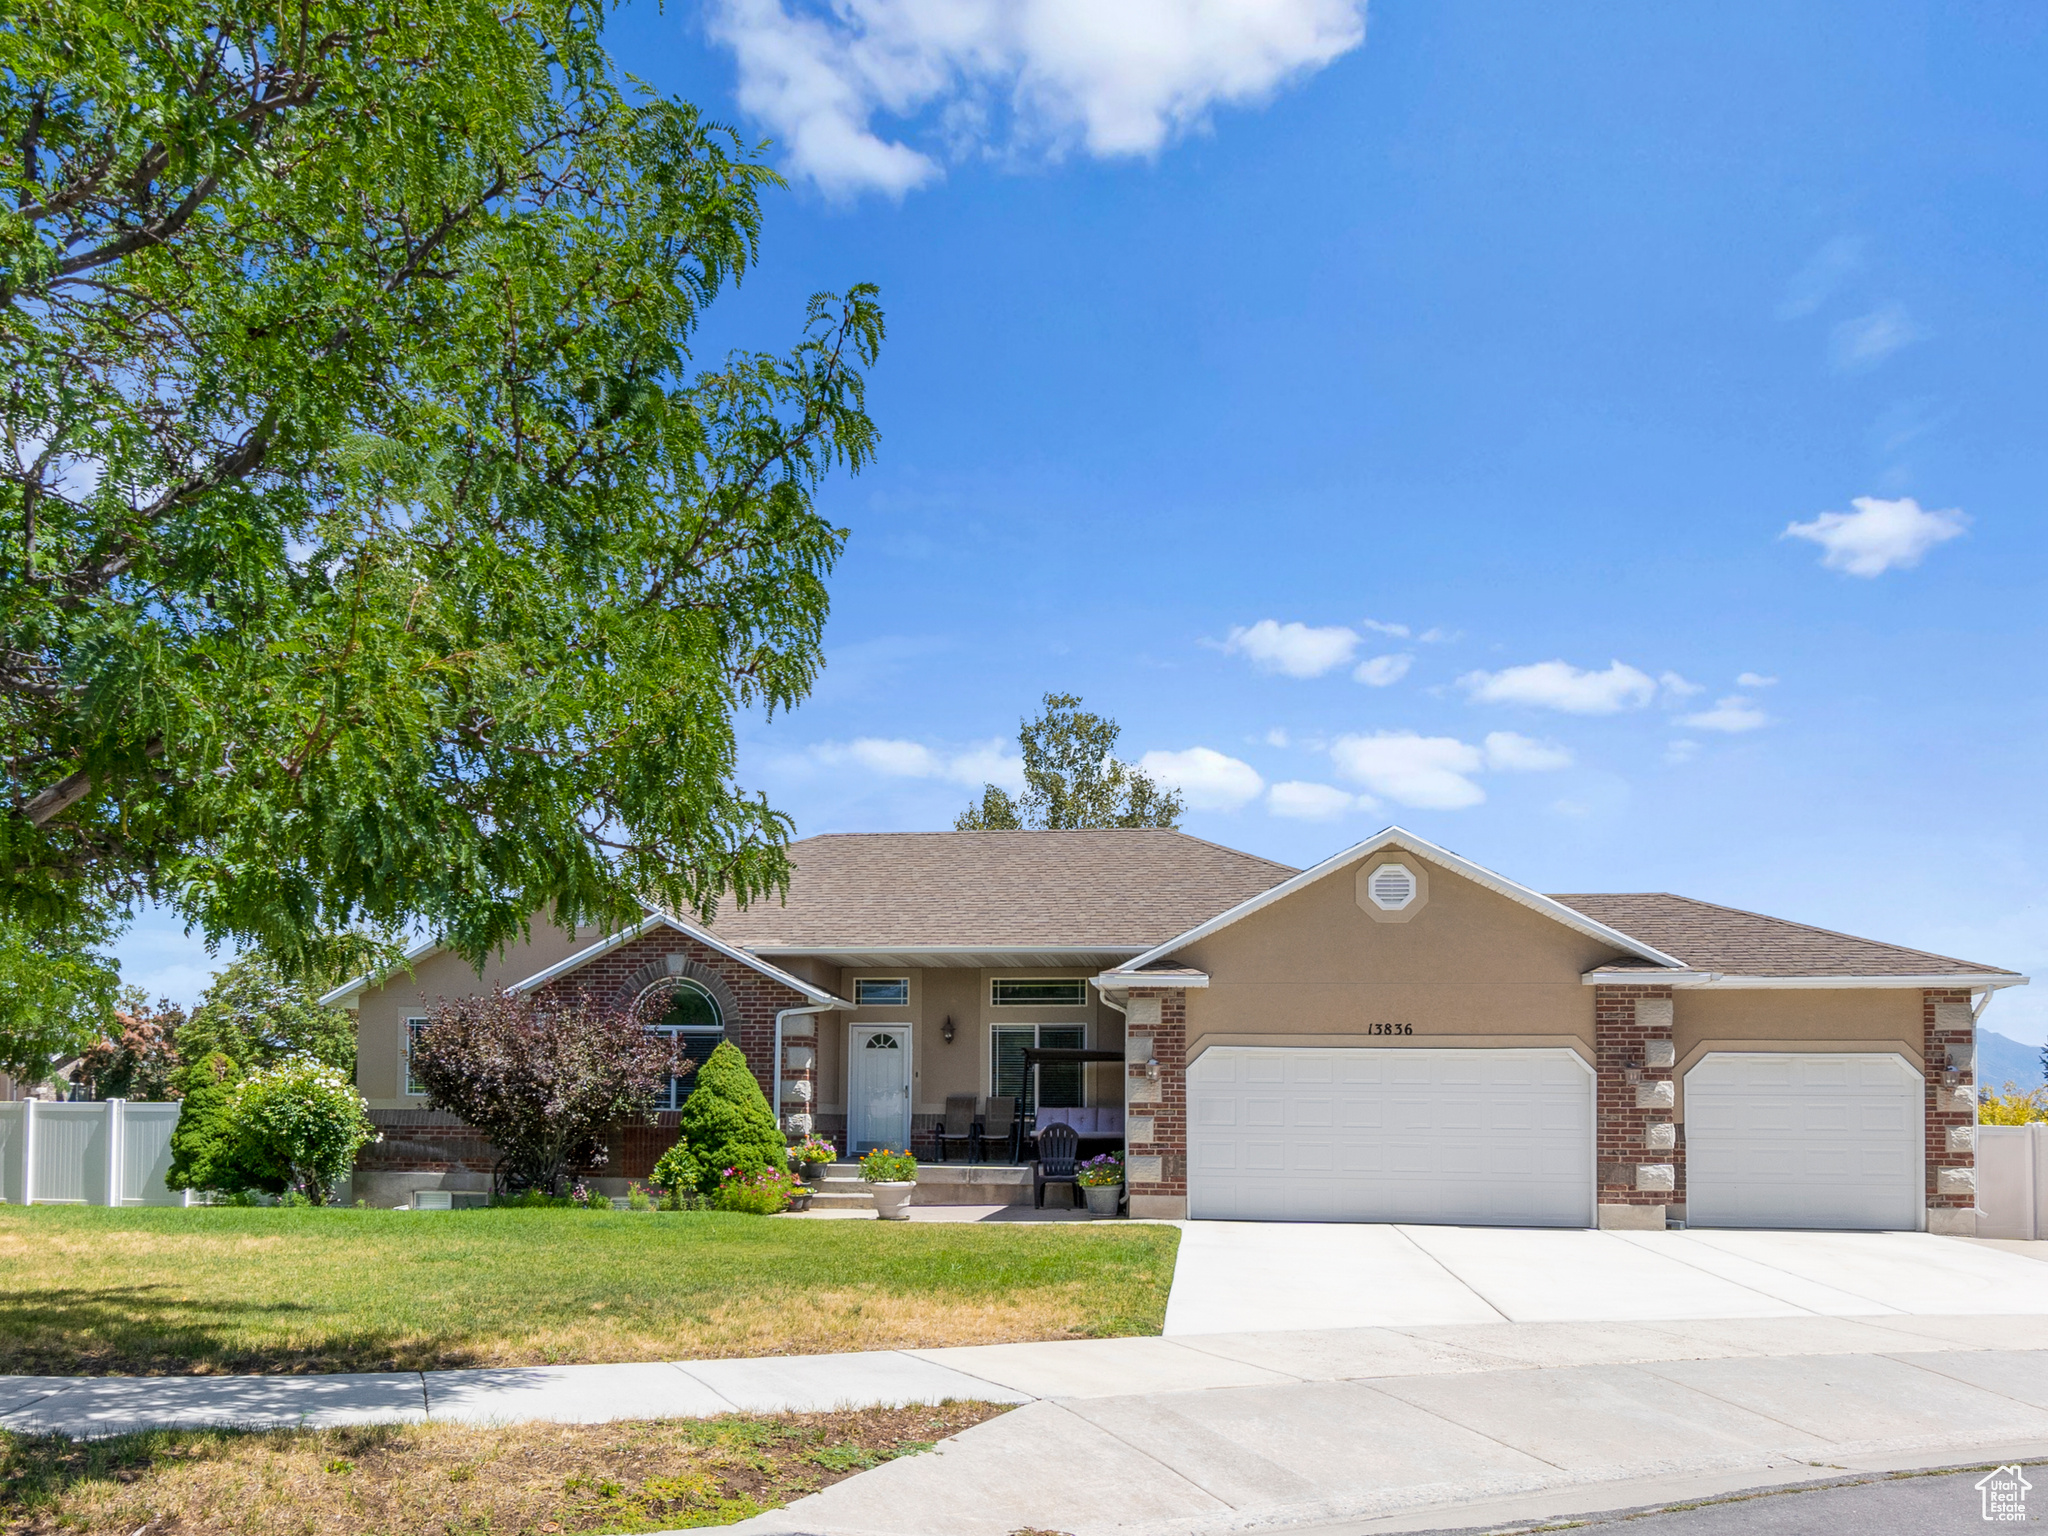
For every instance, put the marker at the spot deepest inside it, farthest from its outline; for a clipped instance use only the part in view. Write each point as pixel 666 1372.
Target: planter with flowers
pixel 811 1157
pixel 892 1179
pixel 1102 1182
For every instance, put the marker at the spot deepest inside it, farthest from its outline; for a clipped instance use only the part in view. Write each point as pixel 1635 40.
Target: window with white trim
pixel 685 1011
pixel 1054 1084
pixel 413 1026
pixel 881 992
pixel 1053 992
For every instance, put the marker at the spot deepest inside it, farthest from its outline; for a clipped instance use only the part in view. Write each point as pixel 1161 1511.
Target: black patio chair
pixel 1058 1150
pixel 1002 1126
pixel 958 1125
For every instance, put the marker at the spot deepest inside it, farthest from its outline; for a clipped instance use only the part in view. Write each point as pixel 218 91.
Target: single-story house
pixel 1397 1034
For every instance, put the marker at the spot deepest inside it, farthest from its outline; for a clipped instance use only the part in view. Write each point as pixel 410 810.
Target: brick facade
pixel 1640 1149
pixel 1951 1103
pixel 1156 1107
pixel 420 1139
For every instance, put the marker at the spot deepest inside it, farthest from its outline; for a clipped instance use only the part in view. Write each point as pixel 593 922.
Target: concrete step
pixel 842 1195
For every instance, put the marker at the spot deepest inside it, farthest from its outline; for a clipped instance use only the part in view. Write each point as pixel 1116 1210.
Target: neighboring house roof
pixel 1396 837
pixel 1731 942
pixel 1111 889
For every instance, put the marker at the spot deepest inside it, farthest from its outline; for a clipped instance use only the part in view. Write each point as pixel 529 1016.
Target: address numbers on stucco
pixel 1391 1029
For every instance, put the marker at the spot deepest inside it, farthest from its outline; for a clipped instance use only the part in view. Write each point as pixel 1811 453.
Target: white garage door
pixel 1283 1133
pixel 1787 1140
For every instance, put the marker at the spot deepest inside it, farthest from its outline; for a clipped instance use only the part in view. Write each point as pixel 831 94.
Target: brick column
pixel 1641 1162
pixel 799 1106
pixel 1949 1029
pixel 1156 1117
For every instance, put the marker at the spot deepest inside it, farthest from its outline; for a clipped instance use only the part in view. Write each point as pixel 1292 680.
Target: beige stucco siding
pixel 1885 1019
pixel 1470 967
pixel 383 1010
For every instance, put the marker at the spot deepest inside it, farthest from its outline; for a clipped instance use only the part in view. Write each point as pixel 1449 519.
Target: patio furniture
pixel 1001 1126
pixel 958 1125
pixel 1055 1163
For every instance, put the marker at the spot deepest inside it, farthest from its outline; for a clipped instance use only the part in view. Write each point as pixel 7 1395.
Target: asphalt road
pixel 1939 1504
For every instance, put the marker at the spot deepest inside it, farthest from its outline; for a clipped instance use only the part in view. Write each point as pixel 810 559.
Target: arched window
pixel 687 1011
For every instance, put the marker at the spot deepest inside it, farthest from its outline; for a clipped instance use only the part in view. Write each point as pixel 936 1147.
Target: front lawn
pixel 97 1291
pixel 452 1479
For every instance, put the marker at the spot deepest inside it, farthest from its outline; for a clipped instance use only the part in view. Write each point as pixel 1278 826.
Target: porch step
pixel 842 1194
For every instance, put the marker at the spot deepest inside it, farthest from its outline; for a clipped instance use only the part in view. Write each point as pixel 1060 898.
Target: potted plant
pixel 1102 1182
pixel 892 1178
pixel 812 1156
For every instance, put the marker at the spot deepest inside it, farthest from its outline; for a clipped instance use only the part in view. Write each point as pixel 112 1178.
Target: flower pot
pixel 800 1200
pixel 812 1174
pixel 892 1199
pixel 1102 1198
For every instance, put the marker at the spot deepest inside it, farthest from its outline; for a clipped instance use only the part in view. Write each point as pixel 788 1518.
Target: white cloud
pixel 1380 671
pixel 1396 631
pixel 1676 687
pixel 1680 752
pixel 1508 752
pixel 1858 345
pixel 1437 636
pixel 1425 771
pixel 1823 273
pixel 1560 685
pixel 1205 777
pixel 1297 650
pixel 1299 800
pixel 1010 76
pixel 1278 737
pixel 981 763
pixel 1755 680
pixel 1733 714
pixel 1879 535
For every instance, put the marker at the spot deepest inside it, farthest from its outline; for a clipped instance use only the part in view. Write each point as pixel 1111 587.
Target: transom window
pixel 1008 992
pixel 881 992
pixel 687 1012
pixel 413 1027
pixel 1057 1085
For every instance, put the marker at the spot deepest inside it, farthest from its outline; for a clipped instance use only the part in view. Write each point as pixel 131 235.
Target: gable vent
pixel 1391 887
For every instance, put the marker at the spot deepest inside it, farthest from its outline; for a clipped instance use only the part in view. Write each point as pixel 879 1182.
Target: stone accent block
pixel 1960 1100
pixel 1660 1054
pixel 1962 1138
pixel 1141 1090
pixel 1661 1177
pixel 1951 1221
pixel 1660 1138
pixel 1631 1218
pixel 1139 1128
pixel 1662 1095
pixel 1954 1018
pixel 799 1058
pixel 1138 1047
pixel 1141 1013
pixel 1654 1013
pixel 1957 1181
pixel 1145 1170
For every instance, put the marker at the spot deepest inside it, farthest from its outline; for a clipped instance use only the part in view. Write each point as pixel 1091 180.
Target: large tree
pixel 57 993
pixel 1072 778
pixel 373 550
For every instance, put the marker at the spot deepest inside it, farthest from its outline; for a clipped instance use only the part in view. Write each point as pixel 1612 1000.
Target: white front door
pixel 878 1087
pixel 1294 1133
pixel 1790 1139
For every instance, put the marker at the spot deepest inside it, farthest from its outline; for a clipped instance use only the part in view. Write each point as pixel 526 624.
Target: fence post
pixel 28 1151
pixel 117 1127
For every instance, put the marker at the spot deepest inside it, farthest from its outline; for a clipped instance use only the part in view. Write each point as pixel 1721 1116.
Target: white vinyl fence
pixel 110 1153
pixel 2012 1181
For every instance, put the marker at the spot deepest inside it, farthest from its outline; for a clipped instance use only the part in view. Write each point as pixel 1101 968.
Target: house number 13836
pixel 1391 1029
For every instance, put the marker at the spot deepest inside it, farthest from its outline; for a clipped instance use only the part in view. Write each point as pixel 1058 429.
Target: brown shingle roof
pixel 1737 943
pixel 1113 888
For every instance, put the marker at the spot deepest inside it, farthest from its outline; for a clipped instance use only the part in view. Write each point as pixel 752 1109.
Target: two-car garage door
pixel 1499 1137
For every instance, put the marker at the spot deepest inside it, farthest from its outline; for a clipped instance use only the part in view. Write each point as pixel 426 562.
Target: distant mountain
pixel 2000 1061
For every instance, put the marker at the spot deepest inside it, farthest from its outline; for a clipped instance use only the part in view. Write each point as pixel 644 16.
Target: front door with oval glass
pixel 878 1087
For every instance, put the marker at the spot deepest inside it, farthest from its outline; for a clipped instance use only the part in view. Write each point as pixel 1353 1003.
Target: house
pixel 1397 1034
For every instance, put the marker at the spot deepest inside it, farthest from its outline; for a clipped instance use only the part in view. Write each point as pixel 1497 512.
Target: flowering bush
pixel 2012 1107
pixel 756 1194
pixel 1101 1172
pixel 812 1149
pixel 638 1198
pixel 883 1166
pixel 305 1119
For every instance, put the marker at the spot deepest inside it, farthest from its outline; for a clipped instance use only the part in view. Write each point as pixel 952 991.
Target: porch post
pixel 1155 1095
pixel 1947 1059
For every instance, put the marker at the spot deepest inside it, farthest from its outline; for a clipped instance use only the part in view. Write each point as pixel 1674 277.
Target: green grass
pixel 105 1291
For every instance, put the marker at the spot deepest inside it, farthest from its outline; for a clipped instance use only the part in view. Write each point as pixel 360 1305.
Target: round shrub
pixel 204 1145
pixel 305 1118
pixel 726 1124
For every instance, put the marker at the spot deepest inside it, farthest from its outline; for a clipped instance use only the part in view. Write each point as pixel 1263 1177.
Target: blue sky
pixel 1399 416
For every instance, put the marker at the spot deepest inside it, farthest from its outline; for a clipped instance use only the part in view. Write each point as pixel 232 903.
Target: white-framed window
pixel 686 1011
pixel 1058 1084
pixel 881 992
pixel 413 1026
pixel 1054 992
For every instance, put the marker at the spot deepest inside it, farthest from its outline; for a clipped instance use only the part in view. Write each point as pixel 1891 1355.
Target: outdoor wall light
pixel 946 1030
pixel 1152 1069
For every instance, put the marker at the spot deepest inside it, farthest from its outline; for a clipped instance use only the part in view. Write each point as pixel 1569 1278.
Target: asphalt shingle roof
pixel 1737 943
pixel 1112 888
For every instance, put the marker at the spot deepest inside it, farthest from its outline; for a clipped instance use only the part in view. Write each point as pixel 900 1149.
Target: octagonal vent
pixel 1391 887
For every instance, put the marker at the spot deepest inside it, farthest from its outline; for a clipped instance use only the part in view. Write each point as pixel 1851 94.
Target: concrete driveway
pixel 1261 1277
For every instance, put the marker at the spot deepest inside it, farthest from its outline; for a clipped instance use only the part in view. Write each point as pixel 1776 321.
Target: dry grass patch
pixel 97 1291
pixel 452 1480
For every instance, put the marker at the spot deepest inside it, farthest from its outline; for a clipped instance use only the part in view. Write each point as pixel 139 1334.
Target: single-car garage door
pixel 1780 1139
pixel 1284 1133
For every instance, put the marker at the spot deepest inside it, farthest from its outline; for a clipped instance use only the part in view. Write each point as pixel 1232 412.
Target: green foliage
pixel 303 1119
pixel 1072 779
pixel 883 1166
pixel 727 1126
pixel 755 1194
pixel 56 993
pixel 137 1059
pixel 373 547
pixel 2015 1106
pixel 205 1150
pixel 255 1014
